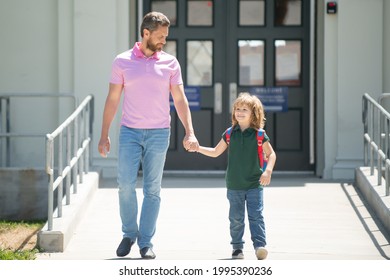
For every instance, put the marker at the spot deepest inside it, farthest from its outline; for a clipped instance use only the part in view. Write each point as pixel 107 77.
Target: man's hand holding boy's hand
pixel 190 143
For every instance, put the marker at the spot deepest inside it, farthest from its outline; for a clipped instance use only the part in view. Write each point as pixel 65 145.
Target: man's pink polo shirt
pixel 147 83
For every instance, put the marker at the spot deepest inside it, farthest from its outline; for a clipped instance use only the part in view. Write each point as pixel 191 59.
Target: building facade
pixel 311 65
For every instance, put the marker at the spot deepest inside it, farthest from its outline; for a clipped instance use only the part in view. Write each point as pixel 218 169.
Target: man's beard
pixel 153 47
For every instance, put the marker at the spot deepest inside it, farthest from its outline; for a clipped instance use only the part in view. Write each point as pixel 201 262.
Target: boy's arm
pixel 265 178
pixel 212 152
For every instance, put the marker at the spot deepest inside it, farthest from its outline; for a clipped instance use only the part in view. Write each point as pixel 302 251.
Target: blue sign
pixel 193 97
pixel 274 99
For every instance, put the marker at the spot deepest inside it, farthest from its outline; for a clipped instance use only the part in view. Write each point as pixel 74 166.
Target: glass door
pixel 197 39
pixel 269 40
pixel 227 47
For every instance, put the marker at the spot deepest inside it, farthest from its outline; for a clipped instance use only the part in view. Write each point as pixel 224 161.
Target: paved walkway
pixel 306 219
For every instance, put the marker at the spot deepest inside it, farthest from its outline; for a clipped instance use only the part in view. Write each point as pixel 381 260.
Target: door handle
pixel 218 98
pixel 232 95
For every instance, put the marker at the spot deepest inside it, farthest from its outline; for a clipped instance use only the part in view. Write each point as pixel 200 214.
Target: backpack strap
pixel 260 152
pixel 228 133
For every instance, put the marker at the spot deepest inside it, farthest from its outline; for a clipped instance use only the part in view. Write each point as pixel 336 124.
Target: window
pixel 199 63
pixel 200 13
pixel 168 8
pixel 288 63
pixel 251 12
pixel 171 47
pixel 251 62
pixel 288 12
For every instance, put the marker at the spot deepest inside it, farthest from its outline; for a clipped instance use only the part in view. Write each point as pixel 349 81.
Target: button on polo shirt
pixel 243 170
pixel 147 82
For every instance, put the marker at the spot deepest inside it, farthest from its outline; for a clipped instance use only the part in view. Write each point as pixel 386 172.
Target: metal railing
pixel 67 156
pixel 376 120
pixel 5 120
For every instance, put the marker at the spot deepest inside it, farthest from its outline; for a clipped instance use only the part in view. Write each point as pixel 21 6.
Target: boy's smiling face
pixel 243 114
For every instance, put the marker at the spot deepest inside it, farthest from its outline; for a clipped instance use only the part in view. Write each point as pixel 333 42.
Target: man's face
pixel 156 40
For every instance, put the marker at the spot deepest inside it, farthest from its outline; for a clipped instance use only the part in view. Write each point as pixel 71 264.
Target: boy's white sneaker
pixel 261 253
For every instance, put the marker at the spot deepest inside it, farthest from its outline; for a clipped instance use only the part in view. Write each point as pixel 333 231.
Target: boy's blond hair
pixel 255 105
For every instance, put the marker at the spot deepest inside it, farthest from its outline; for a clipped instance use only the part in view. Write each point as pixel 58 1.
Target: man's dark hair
pixel 152 21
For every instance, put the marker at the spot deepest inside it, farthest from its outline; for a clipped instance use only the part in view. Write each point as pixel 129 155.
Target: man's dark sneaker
pixel 147 253
pixel 238 254
pixel 124 247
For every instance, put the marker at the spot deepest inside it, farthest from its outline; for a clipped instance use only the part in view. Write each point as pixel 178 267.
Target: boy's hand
pixel 265 178
pixel 193 150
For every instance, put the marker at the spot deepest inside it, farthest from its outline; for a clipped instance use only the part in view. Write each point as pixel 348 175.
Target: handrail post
pixel 49 171
pixel 91 118
pixel 86 136
pixel 365 128
pixel 3 149
pixel 8 130
pixel 68 157
pixel 378 126
pixel 387 177
pixel 81 136
pixel 59 172
pixel 75 144
pixel 387 131
pixel 371 159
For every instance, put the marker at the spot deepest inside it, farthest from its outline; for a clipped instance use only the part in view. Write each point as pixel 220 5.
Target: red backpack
pixel 260 137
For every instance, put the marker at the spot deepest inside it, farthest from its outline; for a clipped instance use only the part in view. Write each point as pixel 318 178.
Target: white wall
pixel 329 93
pixel 28 31
pixel 386 48
pixel 29 64
pixel 101 31
pixel 68 46
pixel 353 55
pixel 51 46
pixel 386 52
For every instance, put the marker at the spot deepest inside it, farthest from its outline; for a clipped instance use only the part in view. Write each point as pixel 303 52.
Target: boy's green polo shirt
pixel 243 170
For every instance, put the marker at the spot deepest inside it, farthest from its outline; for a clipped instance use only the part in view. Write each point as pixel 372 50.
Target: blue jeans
pixel 254 205
pixel 149 148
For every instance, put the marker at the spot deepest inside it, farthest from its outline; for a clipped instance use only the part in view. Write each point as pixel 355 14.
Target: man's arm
pixel 184 113
pixel 110 108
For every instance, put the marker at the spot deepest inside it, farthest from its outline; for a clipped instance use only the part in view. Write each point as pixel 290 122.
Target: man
pixel 147 76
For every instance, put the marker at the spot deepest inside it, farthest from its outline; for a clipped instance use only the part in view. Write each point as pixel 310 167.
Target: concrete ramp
pixel 57 239
pixel 374 194
pixel 306 219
